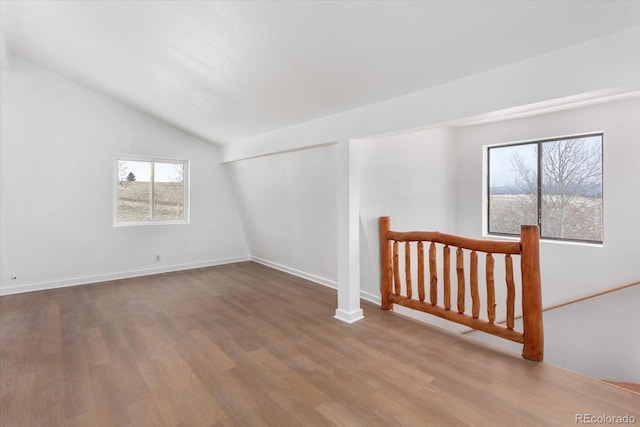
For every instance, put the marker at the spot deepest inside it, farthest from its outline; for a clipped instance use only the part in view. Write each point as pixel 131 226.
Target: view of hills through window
pixel 150 191
pixel 555 183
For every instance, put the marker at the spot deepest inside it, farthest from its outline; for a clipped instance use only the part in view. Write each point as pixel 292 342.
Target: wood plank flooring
pixel 245 345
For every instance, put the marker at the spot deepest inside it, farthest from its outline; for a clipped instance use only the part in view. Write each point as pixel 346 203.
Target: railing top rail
pixel 489 246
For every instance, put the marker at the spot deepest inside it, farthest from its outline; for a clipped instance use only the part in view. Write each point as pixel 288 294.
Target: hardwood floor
pixel 246 345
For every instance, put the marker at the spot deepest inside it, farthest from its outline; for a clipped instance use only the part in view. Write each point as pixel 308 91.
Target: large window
pixel 150 191
pixel 555 183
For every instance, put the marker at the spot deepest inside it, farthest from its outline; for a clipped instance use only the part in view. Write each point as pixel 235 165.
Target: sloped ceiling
pixel 227 71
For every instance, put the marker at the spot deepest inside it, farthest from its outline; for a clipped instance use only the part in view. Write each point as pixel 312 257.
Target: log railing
pixel 453 250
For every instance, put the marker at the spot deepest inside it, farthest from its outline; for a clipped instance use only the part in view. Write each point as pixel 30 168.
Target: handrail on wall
pixel 527 249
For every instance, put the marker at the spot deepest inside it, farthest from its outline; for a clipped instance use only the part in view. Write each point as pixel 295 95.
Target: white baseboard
pixel 349 317
pixel 85 280
pixel 368 296
pixel 308 276
pixel 75 281
pixel 313 278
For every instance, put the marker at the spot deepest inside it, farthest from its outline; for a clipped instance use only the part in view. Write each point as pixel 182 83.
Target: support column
pixel 348 227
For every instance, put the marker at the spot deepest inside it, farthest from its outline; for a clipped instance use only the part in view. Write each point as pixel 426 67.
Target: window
pixel 555 183
pixel 151 191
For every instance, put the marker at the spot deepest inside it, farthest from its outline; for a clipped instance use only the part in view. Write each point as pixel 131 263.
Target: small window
pixel 151 191
pixel 555 183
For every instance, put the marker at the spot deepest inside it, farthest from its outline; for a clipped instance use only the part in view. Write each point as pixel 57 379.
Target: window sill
pixel 543 240
pixel 146 223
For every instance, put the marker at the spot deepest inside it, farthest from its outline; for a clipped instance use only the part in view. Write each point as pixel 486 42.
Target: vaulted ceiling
pixel 227 71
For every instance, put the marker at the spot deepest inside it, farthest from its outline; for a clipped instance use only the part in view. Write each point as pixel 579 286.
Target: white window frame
pixel 486 192
pixel 152 160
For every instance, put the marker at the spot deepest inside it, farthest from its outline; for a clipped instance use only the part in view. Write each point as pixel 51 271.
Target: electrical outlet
pixel 157 258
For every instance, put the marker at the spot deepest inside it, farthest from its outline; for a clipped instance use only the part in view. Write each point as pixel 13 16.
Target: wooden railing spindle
pixel 475 295
pixel 407 268
pixel 421 271
pixel 460 271
pixel 433 274
pixel 396 269
pixel 446 272
pixel 511 291
pixel 491 292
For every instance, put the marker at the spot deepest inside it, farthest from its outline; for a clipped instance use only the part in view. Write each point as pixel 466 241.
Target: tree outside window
pixel 554 183
pixel 151 191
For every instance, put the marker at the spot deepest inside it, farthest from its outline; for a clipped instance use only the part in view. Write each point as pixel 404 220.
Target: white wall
pixel 58 140
pixel 569 270
pixel 288 204
pixel 288 201
pixel 598 337
pixel 410 178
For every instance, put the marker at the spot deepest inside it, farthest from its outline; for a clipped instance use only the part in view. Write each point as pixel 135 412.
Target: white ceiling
pixel 226 71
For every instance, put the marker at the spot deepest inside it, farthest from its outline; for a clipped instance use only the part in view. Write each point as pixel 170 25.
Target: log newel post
pixel 385 264
pixel 531 294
